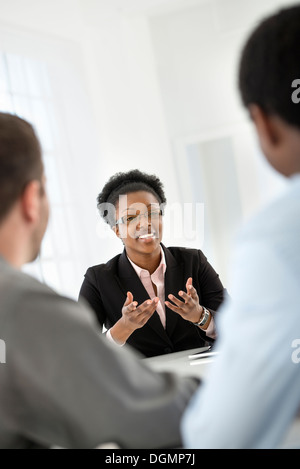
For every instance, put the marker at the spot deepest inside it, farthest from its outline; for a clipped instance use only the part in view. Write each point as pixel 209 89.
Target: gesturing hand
pixel 134 316
pixel 189 309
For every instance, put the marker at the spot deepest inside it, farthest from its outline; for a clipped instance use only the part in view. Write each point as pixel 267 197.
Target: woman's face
pixel 139 222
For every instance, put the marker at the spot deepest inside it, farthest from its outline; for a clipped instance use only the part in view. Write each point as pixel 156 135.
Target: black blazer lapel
pixel 129 281
pixel 174 282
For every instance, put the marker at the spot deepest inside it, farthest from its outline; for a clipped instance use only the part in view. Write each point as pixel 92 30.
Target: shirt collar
pixel 162 265
pixel 295 177
pixel 2 260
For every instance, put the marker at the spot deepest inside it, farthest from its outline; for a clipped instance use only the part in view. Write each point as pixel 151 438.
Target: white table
pixel 179 362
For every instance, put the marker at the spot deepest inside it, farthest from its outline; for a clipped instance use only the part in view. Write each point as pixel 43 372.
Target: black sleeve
pixel 90 292
pixel 212 290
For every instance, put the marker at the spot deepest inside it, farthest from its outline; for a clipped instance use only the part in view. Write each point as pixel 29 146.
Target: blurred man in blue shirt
pixel 251 395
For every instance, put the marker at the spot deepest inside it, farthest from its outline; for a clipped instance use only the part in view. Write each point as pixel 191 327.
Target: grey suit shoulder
pixel 65 385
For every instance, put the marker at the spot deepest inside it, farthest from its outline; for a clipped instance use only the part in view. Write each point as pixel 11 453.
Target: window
pixel 36 89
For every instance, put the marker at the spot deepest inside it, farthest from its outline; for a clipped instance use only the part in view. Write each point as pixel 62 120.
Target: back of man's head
pixel 270 63
pixel 20 160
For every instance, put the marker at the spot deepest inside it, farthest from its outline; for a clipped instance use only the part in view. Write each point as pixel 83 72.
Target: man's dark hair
pixel 20 159
pixel 124 183
pixel 270 62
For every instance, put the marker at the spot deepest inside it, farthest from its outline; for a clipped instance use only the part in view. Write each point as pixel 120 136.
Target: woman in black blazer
pixel 157 299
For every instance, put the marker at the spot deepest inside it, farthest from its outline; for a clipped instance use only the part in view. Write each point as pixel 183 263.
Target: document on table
pixel 203 355
pixel 202 358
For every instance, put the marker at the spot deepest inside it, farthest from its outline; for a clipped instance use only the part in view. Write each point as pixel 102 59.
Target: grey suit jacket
pixel 64 384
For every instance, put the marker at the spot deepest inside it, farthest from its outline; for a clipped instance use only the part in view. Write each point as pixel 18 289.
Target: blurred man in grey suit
pixel 63 385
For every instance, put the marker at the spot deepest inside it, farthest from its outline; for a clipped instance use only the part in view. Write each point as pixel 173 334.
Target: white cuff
pixel 211 330
pixel 111 339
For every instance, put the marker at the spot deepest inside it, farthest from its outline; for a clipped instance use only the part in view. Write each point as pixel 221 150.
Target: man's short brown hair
pixel 20 159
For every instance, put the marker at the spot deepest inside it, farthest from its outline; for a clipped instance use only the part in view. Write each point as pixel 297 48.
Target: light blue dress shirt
pixel 252 391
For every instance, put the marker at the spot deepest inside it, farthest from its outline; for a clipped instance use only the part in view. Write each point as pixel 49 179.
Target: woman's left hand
pixel 189 309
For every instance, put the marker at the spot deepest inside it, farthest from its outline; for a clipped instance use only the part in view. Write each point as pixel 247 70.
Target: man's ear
pixel 30 201
pixel 266 127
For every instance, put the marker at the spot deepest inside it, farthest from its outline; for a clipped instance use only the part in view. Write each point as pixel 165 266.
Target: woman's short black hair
pixel 270 62
pixel 124 183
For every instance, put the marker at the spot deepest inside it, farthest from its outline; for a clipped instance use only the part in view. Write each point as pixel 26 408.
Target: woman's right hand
pixel 133 317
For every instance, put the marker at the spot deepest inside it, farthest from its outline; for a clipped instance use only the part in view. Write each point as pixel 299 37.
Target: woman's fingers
pixel 189 282
pixel 173 308
pixel 148 306
pixel 132 306
pixel 176 300
pixel 145 311
pixel 129 304
pixel 129 298
pixel 193 292
pixel 187 298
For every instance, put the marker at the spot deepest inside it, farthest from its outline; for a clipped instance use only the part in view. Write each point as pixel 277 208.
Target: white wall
pixel 158 75
pixel 123 98
pixel 197 51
